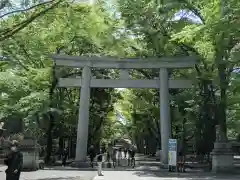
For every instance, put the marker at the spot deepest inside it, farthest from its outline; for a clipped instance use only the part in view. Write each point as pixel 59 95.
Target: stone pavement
pixel 52 174
pixel 147 169
pixel 141 175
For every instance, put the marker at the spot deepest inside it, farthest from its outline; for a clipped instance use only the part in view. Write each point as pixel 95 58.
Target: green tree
pixel 165 29
pixel 22 8
pixel 71 29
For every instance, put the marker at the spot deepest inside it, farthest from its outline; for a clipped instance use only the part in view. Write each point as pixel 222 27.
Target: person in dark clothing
pixel 92 154
pixel 14 161
pixel 181 154
pixel 129 156
pixel 114 157
pixel 132 157
pixel 64 156
pixel 125 153
pixel 103 149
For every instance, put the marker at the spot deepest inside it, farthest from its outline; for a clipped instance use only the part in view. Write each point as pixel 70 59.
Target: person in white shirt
pixel 99 161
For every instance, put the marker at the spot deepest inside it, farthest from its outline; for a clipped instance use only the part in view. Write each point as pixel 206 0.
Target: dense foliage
pixel 192 28
pixel 207 29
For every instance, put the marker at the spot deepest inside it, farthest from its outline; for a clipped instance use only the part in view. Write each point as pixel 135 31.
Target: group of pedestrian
pixel 125 153
pixel 115 154
pixel 14 159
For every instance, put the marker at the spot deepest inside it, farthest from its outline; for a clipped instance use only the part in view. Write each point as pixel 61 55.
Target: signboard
pixel 172 152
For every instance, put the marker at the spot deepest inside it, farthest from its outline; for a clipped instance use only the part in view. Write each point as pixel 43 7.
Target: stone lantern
pixel 222 154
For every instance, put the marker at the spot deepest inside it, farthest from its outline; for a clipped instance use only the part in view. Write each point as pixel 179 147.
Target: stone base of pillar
pixel 30 152
pixel 81 164
pixel 222 157
pixel 162 164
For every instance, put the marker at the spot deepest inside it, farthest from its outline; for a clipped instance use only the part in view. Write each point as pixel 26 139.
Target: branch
pixel 233 46
pixel 28 56
pixel 23 24
pixel 184 47
pixel 189 138
pixel 19 61
pixel 24 10
pixel 144 73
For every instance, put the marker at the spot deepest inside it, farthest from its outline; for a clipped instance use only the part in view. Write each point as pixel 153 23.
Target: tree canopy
pixel 207 29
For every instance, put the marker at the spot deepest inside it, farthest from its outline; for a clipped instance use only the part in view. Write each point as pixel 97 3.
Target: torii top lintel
pixel 119 63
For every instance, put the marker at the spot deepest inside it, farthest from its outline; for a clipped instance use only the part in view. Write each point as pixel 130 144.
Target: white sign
pixel 172 152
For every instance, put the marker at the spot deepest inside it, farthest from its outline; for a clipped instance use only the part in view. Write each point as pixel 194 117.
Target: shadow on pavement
pixel 189 176
pixel 59 178
pixel 67 178
pixel 57 168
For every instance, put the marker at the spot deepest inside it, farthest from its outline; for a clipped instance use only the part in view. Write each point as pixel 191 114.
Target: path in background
pixel 149 169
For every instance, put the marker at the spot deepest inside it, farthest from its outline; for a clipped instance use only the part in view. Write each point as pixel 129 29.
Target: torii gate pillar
pixel 165 121
pixel 83 121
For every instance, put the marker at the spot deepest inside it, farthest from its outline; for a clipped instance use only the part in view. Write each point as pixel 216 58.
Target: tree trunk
pixel 61 145
pixel 49 143
pixel 222 106
pixel 51 116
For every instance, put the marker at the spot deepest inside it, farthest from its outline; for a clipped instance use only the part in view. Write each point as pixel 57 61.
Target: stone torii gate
pixel 163 83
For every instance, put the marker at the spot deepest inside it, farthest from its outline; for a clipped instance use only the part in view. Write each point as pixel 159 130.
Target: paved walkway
pixel 53 175
pixel 147 169
pixel 141 175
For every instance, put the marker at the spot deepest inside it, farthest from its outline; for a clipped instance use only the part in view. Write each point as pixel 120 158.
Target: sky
pixel 187 14
pixel 179 15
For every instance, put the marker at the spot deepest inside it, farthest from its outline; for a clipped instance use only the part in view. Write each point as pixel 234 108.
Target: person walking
pixel 114 157
pixel 99 161
pixel 129 156
pixel 125 153
pixel 92 154
pixel 132 155
pixel 14 161
pixel 64 156
pixel 181 153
